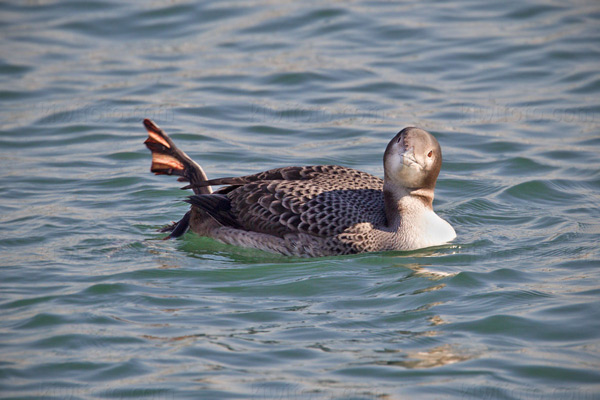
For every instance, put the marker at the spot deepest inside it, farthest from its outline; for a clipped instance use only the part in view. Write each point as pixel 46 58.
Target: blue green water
pixel 94 305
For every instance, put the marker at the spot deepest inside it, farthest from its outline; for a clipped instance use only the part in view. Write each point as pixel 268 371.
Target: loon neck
pixel 402 204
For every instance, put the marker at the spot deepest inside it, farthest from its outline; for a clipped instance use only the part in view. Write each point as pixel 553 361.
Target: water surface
pixel 94 305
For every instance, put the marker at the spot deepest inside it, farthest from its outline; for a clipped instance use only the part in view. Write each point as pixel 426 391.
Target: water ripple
pixel 94 303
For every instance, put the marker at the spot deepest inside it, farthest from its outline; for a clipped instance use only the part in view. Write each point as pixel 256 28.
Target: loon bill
pixel 313 211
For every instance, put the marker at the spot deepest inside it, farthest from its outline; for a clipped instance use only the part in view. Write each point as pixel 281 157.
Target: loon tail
pixel 167 159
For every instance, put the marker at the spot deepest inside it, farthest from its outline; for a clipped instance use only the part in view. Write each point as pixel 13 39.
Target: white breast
pixel 437 230
pixel 425 229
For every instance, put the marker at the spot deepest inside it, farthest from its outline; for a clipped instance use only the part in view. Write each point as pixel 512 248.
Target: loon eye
pixel 430 154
